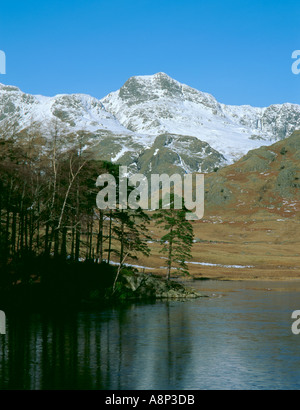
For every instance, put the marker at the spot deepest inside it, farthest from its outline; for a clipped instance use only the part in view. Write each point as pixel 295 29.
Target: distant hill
pixel 265 178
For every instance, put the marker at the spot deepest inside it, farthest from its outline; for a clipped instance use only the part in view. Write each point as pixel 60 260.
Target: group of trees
pixel 48 207
pixel 46 200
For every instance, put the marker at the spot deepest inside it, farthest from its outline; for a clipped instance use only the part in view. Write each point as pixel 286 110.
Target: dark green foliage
pixel 62 284
pixel 130 230
pixel 178 240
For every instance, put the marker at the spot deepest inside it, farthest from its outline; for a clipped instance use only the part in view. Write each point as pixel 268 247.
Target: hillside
pixel 266 179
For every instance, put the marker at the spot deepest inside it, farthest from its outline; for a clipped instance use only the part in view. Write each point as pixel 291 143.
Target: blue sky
pixel 239 51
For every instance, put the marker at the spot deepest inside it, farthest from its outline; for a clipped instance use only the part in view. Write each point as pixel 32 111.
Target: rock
pixel 146 286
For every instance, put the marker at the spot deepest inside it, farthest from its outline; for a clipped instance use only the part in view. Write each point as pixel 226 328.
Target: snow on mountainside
pixel 152 124
pixel 76 111
pixel 158 104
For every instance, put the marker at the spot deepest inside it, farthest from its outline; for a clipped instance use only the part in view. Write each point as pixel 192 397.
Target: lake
pixel 238 338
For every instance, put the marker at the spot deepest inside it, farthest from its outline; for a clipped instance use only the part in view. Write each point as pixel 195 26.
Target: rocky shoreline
pixel 148 285
pixel 131 286
pixel 140 286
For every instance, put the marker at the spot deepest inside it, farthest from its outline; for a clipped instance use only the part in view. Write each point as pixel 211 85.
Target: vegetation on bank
pixel 70 285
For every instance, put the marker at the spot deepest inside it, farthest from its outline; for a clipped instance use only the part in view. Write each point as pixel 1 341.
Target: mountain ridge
pixel 130 123
pixel 183 110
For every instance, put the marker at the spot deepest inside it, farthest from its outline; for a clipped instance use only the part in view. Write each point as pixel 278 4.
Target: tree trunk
pixel 77 243
pixel 100 238
pixel 64 243
pixel 91 237
pixel 109 237
pixel 56 242
pixel 7 235
pixel 13 233
pixel 73 244
pixel 31 230
pixel 26 231
pixel 21 231
pixel 47 250
pixel 122 243
pixel 170 255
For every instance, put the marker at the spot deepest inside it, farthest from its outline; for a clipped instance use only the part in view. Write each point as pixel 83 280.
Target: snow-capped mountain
pixel 158 104
pixel 152 124
pixel 72 112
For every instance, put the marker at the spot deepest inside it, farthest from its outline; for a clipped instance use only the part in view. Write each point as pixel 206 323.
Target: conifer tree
pixel 178 240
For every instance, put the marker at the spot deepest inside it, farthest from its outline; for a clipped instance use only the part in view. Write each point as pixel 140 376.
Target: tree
pixel 130 229
pixel 131 233
pixel 178 240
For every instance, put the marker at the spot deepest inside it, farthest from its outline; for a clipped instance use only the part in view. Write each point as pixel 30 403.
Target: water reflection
pixel 241 340
pixel 116 349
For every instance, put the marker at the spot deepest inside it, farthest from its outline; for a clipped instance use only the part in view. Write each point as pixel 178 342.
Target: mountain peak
pixel 150 77
pixel 157 104
pixel 139 89
pixel 161 74
pixel 157 77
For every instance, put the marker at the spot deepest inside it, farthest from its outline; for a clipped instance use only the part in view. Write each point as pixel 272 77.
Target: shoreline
pixel 246 279
pixel 250 274
pixel 131 287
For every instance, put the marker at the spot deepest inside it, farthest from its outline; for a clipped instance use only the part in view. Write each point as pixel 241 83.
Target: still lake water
pixel 239 338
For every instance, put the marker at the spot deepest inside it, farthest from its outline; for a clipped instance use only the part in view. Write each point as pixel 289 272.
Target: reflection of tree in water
pixel 154 346
pixel 137 347
pixel 179 343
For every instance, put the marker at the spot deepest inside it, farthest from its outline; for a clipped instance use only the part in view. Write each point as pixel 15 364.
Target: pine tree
pixel 130 229
pixel 178 240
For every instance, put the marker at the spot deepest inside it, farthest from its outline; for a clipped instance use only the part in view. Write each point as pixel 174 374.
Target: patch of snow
pixel 221 266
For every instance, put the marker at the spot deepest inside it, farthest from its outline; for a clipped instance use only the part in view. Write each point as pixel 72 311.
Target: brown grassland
pixel 267 249
pixel 252 219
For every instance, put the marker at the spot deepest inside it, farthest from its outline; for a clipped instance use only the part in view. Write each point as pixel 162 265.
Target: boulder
pixel 146 286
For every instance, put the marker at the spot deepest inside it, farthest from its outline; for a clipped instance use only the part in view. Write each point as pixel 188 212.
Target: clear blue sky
pixel 237 50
